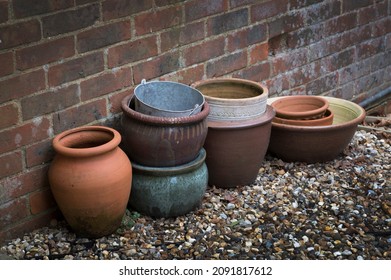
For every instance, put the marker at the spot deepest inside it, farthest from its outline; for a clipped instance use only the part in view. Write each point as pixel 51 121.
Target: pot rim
pixel 329 115
pixel 62 149
pixel 238 81
pixel 284 113
pixel 162 120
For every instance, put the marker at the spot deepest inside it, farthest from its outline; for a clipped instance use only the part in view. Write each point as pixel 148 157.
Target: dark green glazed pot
pixel 169 191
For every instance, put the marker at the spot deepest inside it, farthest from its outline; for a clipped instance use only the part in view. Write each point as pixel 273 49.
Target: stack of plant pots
pixel 239 126
pixel 164 128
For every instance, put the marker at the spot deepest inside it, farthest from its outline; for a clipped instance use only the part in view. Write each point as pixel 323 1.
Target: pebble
pixel 334 210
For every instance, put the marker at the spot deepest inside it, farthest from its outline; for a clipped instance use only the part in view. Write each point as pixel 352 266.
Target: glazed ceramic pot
pixel 232 99
pixel 317 143
pixel 162 141
pixel 327 119
pixel 300 107
pixel 235 150
pixel 169 191
pixel 90 178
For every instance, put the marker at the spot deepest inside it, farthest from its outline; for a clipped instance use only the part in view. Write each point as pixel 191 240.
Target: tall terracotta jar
pixel 90 178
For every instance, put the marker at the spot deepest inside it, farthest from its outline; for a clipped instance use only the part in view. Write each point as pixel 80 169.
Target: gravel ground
pixel 336 210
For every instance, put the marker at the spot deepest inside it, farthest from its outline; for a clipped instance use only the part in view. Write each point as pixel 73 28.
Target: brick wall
pixel 69 63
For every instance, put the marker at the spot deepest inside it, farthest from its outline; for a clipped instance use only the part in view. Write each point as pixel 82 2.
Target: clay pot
pixel 162 141
pixel 300 107
pixel 169 191
pixel 235 150
pixel 90 178
pixel 327 119
pixel 317 143
pixel 232 99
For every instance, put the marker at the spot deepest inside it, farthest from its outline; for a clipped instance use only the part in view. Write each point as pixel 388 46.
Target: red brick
pixel 380 61
pixel 226 64
pixel 105 83
pixel 71 20
pixel 22 85
pixel 204 51
pixel 132 52
pixel 41 201
pixel 258 72
pixel 24 8
pixel 277 84
pixel 381 27
pixel 12 212
pixel 156 67
pixel 9 115
pixel 186 76
pixel 268 9
pixel 355 5
pixel 28 133
pixel 369 82
pixel 372 13
pixel 197 9
pixel 299 38
pixel 286 23
pixel 323 84
pixel 338 60
pixel 79 115
pixel 74 69
pixel 157 20
pixel 161 3
pixel 227 22
pixel 340 24
pixel 112 9
pixel 7 64
pixel 238 3
pixel 11 164
pixel 116 98
pixel 297 4
pixel 179 36
pixel 247 37
pixel 259 53
pixel 305 74
pixel 3 11
pixel 44 53
pixel 22 184
pixel 103 36
pixel 322 12
pixel 354 71
pixel 370 48
pixel 19 34
pixel 55 100
pixel 289 61
pixel 39 153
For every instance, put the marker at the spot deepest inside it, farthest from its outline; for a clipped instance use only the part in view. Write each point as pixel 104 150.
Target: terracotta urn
pixel 90 178
pixel 327 119
pixel 161 141
pixel 169 191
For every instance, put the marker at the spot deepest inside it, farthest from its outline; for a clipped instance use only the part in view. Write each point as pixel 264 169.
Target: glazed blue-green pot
pixel 169 191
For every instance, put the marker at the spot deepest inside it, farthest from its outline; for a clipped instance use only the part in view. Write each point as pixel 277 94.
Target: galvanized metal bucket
pixel 167 99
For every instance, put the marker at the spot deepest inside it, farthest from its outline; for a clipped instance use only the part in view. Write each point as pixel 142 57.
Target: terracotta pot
pixel 327 119
pixel 235 150
pixel 232 99
pixel 169 191
pixel 317 143
pixel 90 178
pixel 162 141
pixel 300 107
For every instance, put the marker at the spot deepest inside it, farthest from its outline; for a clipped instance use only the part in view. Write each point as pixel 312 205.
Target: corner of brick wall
pixel 70 63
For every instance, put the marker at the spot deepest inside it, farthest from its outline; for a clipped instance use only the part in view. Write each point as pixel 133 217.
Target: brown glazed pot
pixel 235 150
pixel 327 119
pixel 162 141
pixel 90 178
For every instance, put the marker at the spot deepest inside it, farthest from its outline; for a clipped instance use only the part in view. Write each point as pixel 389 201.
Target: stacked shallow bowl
pixel 163 128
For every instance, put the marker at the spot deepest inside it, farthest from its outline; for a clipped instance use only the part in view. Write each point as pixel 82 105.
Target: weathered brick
pixel 74 69
pixel 305 74
pixel 105 83
pixel 381 27
pixel 9 115
pixel 21 85
pixel 238 3
pixel 246 37
pixel 354 71
pixel 368 82
pixel 204 51
pixel 322 12
pixel 17 34
pixel 79 115
pixel 381 60
pixel 54 100
pixel 338 60
pixel 370 48
pixel 41 201
pixel 39 153
pixel 340 24
pixel 186 76
pixel 4 11
pixel 258 53
pixel 157 20
pixel 103 36
pixel 161 3
pixel 268 9
pixel 348 6
pixel 227 22
pixel 28 133
pixel 300 38
pixel 71 20
pixel 286 23
pixel 277 84
pixel 44 53
pixel 226 64
pixel 258 72
pixel 197 9
pixel 13 212
pixel 323 84
pixel 11 164
pixel 112 9
pixel 372 13
pixel 24 8
pixel 7 64
pixel 156 67
pixel 297 4
pixel 179 36
pixel 116 98
pixel 289 61
pixel 132 52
